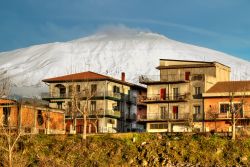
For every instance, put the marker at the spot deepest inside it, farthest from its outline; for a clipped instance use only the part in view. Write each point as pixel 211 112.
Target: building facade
pixel 110 102
pixel 174 98
pixel 31 119
pixel 217 102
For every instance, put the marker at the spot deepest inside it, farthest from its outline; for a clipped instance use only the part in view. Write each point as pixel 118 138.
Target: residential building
pixel 29 118
pixel 139 108
pixel 218 100
pixel 111 105
pixel 174 98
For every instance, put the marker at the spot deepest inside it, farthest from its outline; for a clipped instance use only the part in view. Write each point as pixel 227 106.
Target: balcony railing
pixel 82 95
pixel 228 115
pixel 159 116
pixel 167 97
pixel 105 113
pixel 141 99
pixel 163 78
pixel 97 113
pixel 170 78
pixel 197 117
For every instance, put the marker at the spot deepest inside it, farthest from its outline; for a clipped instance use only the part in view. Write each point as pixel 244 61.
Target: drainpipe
pixel 203 116
pixel 104 98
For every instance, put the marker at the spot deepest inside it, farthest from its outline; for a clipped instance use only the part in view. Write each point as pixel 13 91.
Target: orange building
pixel 31 119
pixel 217 102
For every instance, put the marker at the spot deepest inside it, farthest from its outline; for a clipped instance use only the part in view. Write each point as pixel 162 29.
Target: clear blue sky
pixel 223 25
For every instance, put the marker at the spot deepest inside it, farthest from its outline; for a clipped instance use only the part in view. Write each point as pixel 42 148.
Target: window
pixel 116 89
pixel 163 112
pixel 6 115
pixel 197 77
pixel 224 107
pixel 115 106
pixel 78 88
pixel 197 110
pixel 197 93
pixel 59 105
pixel 70 106
pixel 197 90
pixel 62 91
pixel 93 89
pixel 93 106
pixel 40 120
pixel 158 126
pixel 175 93
pixel 70 90
pixel 238 107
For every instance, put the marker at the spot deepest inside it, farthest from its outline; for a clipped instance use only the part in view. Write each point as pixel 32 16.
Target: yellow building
pixel 174 98
pixel 110 101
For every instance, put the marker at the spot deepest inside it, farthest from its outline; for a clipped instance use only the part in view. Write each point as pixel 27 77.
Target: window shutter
pixel 175 109
pixel 163 93
pixel 187 76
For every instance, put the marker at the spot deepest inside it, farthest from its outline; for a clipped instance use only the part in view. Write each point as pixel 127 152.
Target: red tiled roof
pixel 230 86
pixel 78 77
pixel 87 76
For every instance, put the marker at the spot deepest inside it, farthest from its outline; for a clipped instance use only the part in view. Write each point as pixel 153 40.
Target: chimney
pixel 123 76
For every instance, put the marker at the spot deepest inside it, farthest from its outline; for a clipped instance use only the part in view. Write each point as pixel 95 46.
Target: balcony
pixel 197 117
pixel 152 98
pixel 163 117
pixel 171 78
pixel 198 77
pixel 140 99
pixel 96 114
pixel 228 115
pixel 101 113
pixel 69 95
pixel 131 117
pixel 197 96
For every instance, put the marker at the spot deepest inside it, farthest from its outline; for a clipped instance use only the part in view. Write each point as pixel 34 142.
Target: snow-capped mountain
pixel 134 52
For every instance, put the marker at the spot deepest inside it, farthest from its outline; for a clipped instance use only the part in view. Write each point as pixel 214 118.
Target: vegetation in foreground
pixel 131 149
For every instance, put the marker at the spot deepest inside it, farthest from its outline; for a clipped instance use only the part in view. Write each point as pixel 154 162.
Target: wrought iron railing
pixel 162 78
pixel 82 94
pixel 228 115
pixel 170 78
pixel 165 116
pixel 167 97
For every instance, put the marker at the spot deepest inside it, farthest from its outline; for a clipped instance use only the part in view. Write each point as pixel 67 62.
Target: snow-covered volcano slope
pixel 134 52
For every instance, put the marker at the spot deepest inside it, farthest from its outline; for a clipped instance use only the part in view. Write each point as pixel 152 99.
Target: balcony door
pixel 93 107
pixel 175 93
pixel 6 115
pixel 62 90
pixel 163 112
pixel 175 112
pixel 163 94
pixel 93 89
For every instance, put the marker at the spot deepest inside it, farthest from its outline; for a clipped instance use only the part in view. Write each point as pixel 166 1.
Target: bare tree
pixel 80 103
pixel 213 113
pixel 10 134
pixel 237 100
pixel 4 86
pixel 235 111
pixel 189 121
